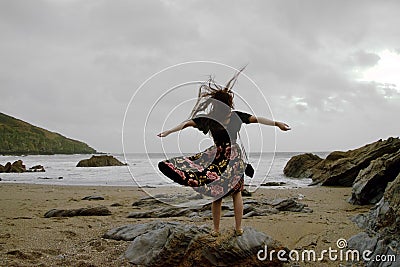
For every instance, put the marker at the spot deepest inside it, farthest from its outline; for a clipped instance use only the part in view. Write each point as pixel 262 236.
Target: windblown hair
pixel 215 100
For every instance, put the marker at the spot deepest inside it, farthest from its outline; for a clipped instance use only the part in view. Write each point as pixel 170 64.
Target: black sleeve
pixel 244 116
pixel 202 124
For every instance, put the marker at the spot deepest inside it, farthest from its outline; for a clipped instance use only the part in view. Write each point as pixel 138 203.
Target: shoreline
pixel 247 186
pixel 29 238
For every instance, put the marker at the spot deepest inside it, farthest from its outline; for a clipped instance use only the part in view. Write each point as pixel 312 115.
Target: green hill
pixel 21 138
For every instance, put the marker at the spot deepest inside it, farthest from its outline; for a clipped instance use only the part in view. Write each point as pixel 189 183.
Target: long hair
pixel 215 100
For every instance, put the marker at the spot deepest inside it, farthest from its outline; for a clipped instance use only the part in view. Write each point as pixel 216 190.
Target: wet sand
pixel 29 239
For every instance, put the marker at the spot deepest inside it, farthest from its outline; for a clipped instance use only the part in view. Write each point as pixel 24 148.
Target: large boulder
pixel 341 168
pixel 300 166
pixel 100 161
pixel 177 244
pixel 370 183
pixel 381 225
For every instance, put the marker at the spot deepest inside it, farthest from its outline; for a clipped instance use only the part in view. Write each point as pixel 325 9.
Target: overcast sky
pixel 73 66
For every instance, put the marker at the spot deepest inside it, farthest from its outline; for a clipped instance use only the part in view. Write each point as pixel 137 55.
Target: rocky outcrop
pixel 90 211
pixel 16 167
pixel 177 244
pixel 299 166
pixel 19 167
pixel 381 225
pixel 341 168
pixel 370 183
pixel 201 208
pixel 100 161
pixel 36 168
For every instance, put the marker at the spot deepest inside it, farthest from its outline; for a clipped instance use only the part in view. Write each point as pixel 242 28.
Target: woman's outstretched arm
pixel 177 128
pixel 281 125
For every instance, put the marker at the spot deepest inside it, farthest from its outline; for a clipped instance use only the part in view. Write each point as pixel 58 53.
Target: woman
pixel 217 171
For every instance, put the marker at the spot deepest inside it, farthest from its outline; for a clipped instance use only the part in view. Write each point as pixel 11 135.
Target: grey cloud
pixel 364 59
pixel 72 66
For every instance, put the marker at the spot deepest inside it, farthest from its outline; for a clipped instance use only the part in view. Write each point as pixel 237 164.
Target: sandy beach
pixel 29 239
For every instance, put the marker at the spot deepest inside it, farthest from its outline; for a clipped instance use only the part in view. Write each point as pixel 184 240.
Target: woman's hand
pixel 283 126
pixel 179 127
pixel 164 134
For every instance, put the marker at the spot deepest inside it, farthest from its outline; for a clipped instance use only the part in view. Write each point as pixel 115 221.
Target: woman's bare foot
pixel 238 232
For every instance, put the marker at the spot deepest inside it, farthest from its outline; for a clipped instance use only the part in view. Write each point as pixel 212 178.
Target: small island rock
pixel 100 161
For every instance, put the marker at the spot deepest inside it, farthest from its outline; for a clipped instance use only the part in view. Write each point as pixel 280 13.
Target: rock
pixel 287 204
pixel 36 168
pixel 246 193
pixel 91 211
pixel 151 208
pixel 49 178
pixel 343 167
pixel 166 199
pixel 363 242
pixel 7 167
pixel 19 167
pixel 340 168
pixel 273 184
pixel 167 212
pixel 370 183
pixel 100 161
pixel 381 225
pixel 176 244
pixel 387 212
pixel 299 166
pixel 93 198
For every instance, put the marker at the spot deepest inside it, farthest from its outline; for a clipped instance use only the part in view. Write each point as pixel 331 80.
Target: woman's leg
pixel 216 213
pixel 238 210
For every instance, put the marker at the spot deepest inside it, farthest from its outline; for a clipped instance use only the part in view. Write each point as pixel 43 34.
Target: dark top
pixel 222 133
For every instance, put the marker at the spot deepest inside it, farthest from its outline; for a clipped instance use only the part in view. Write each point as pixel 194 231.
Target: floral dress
pixel 218 170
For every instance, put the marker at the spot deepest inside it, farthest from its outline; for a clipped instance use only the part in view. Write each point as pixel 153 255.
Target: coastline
pixel 29 238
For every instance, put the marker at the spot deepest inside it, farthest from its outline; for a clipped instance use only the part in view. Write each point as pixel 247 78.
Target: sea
pixel 141 171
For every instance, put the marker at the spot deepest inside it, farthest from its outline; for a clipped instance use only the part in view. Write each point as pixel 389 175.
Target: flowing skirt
pixel 217 171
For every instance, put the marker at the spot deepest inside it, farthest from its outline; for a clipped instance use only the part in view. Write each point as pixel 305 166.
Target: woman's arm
pixel 177 128
pixel 281 125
